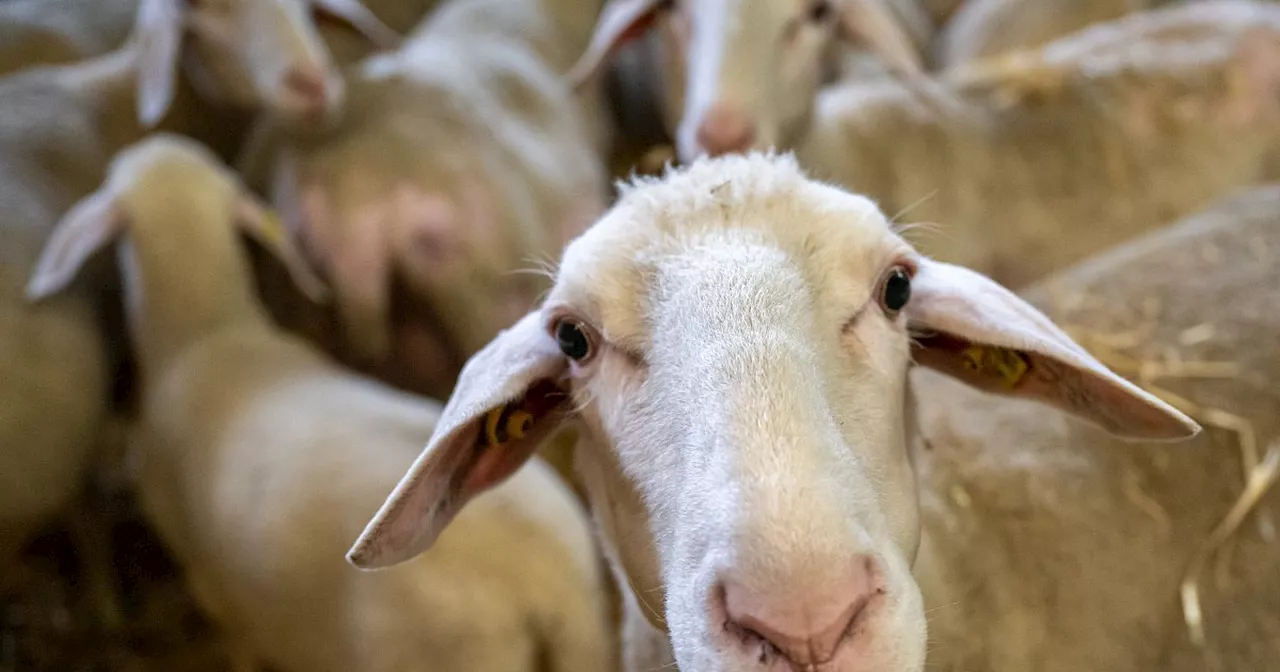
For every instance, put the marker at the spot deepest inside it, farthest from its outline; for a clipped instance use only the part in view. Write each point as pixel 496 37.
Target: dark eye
pixel 896 291
pixel 820 11
pixel 572 340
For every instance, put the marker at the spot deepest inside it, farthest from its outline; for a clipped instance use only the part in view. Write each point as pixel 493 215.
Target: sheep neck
pixel 171 303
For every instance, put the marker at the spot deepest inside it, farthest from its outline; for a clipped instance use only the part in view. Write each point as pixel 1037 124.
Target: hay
pixel 1144 372
pixel 1133 490
pixel 1259 474
pixel 1260 482
pixel 1201 333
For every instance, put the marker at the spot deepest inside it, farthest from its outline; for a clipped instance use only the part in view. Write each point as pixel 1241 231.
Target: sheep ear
pixel 510 396
pixel 354 255
pixel 87 227
pixel 364 21
pixel 971 328
pixel 266 228
pixel 620 22
pixel 873 24
pixel 159 33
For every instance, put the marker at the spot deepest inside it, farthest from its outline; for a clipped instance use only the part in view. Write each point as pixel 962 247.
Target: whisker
pixel 912 206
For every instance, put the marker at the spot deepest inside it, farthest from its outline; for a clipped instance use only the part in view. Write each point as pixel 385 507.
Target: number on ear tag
pixel 992 361
pixel 505 423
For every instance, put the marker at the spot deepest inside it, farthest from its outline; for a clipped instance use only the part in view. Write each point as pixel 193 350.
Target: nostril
pixel 764 650
pixel 725 129
pixel 308 84
pixel 805 627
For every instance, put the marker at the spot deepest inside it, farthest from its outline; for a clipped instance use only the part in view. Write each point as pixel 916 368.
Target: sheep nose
pixel 808 629
pixel 725 130
pixel 308 90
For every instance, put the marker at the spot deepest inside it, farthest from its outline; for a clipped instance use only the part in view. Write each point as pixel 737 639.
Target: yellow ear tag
pixel 505 423
pixel 491 426
pixel 518 424
pixel 1007 364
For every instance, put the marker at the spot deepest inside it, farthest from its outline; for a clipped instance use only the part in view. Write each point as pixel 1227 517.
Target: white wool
pixel 742 406
pixel 59 125
pixel 260 459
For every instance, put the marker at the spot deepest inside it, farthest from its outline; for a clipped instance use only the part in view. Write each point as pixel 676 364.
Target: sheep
pixel 1084 143
pixel 741 75
pixel 986 27
pixel 260 458
pixel 58 127
pixel 47 32
pixel 941 11
pixel 463 159
pixel 1117 527
pixel 51 32
pixel 733 342
pixel 919 25
pixel 401 16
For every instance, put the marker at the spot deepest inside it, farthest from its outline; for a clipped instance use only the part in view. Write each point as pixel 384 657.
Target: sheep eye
pixel 820 11
pixel 896 291
pixel 572 340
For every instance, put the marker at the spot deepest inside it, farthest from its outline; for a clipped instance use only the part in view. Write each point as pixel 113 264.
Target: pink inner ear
pixel 944 353
pixel 492 464
pixel 636 30
pixel 353 252
pixel 1111 404
pixel 1043 378
pixel 620 22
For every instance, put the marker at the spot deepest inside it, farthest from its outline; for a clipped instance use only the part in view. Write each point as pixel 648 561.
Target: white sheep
pixel 1076 146
pixel 463 160
pixel 401 16
pixel 743 74
pixel 733 343
pixel 261 459
pixel 59 126
pixel 1080 543
pixel 987 27
pixel 47 32
pixel 941 11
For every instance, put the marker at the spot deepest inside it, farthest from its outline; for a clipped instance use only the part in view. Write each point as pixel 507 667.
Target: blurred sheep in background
pixel 59 126
pixel 261 459
pixel 48 32
pixel 1084 143
pixel 427 162
pixel 777 487
pixel 738 75
pixel 463 160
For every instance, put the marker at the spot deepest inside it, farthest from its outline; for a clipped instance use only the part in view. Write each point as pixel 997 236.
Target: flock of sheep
pixel 766 404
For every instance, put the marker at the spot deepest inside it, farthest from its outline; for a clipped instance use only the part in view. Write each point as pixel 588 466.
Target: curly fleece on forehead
pixel 753 177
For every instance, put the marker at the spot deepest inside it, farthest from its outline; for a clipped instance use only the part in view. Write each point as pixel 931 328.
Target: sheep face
pixel 735 341
pixel 749 382
pixel 743 74
pixel 258 54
